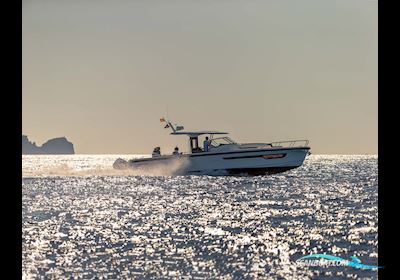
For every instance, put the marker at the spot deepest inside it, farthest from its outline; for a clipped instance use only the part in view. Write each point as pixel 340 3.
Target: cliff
pixel 58 145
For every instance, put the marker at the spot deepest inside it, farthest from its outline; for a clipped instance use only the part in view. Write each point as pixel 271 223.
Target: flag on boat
pixel 166 126
pixel 162 120
pixel 179 127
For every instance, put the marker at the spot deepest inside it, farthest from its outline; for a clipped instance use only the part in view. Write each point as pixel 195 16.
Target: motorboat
pixel 224 156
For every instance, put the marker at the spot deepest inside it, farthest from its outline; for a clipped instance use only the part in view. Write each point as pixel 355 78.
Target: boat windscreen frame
pixel 227 139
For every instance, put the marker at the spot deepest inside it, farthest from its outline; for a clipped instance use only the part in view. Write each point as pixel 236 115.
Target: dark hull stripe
pixel 257 156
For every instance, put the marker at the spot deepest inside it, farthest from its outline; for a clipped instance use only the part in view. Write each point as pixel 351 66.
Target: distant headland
pixel 55 146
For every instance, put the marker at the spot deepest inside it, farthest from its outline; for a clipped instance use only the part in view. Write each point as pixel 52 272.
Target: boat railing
pixel 290 143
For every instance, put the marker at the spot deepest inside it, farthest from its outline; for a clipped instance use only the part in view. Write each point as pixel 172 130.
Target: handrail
pixel 290 143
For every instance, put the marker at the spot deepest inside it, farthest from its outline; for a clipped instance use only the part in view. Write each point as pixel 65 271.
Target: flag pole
pixel 169 124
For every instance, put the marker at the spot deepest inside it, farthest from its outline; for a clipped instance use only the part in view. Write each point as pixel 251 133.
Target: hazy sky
pixel 102 73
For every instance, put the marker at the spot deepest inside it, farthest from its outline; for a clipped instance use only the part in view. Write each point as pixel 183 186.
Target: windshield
pixel 221 141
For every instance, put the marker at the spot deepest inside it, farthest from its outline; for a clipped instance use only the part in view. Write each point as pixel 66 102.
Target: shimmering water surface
pixel 83 220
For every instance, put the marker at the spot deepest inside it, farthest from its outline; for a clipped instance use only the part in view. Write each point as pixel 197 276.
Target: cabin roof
pixel 197 133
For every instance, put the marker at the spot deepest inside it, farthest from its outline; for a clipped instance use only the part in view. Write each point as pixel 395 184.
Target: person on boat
pixel 156 152
pixel 176 151
pixel 206 144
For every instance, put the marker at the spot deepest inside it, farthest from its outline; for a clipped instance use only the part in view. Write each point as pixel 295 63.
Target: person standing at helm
pixel 206 144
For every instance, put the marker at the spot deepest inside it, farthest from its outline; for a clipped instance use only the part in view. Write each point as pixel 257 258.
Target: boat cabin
pixel 214 142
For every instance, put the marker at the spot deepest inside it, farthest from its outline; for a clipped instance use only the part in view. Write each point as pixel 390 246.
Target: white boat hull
pixel 237 162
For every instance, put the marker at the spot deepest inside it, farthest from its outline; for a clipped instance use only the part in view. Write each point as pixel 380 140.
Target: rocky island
pixel 55 146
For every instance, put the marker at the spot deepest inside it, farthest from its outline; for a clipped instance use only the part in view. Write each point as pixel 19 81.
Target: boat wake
pixel 173 168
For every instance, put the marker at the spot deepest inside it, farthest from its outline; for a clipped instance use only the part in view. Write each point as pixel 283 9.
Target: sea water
pixel 84 220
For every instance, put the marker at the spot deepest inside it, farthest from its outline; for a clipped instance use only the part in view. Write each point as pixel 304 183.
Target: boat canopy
pixel 197 133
